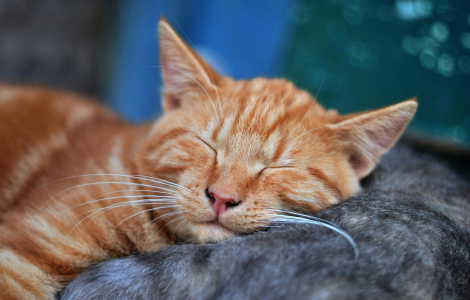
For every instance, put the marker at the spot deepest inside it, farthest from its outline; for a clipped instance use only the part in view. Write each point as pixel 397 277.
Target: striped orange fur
pixel 79 186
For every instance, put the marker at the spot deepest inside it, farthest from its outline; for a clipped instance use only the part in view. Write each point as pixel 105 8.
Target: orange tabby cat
pixel 79 186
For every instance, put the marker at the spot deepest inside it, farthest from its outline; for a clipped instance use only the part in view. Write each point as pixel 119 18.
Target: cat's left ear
pixel 367 136
pixel 185 74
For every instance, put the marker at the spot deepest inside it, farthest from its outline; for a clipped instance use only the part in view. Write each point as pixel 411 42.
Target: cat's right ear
pixel 185 75
pixel 367 136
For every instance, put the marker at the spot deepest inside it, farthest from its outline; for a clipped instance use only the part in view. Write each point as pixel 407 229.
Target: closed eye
pixel 274 168
pixel 207 144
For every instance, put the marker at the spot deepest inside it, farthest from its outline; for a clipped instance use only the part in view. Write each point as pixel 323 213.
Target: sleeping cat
pixel 79 186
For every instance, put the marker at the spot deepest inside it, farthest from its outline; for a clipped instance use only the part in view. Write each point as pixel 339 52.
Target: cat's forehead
pixel 239 142
pixel 268 92
pixel 257 117
pixel 261 106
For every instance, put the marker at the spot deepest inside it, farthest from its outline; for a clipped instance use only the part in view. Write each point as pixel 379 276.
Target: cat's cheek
pixel 296 189
pixel 194 178
pixel 195 207
pixel 196 175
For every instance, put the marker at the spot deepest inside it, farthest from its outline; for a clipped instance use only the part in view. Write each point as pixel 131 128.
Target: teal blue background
pixel 355 54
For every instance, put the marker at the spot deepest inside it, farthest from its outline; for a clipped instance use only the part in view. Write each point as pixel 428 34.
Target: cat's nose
pixel 220 201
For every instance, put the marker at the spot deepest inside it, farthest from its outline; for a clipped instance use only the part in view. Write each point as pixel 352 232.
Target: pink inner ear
pixel 358 162
pixel 183 71
pixel 383 136
pixel 373 144
pixel 362 164
pixel 171 102
pixel 371 134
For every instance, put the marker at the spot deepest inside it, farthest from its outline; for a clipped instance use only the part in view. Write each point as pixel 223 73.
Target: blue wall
pixel 240 38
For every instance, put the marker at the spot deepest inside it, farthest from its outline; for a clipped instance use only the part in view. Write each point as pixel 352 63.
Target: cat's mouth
pixel 214 223
pixel 212 232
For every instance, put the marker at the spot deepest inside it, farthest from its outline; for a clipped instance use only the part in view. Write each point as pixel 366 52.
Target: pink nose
pixel 221 201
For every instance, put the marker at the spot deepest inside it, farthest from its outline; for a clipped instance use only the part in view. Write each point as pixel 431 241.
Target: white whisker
pixel 98 211
pixel 121 204
pixel 150 223
pixel 171 222
pixel 142 177
pixel 149 201
pixel 162 181
pixel 301 218
pixel 114 182
pixel 138 213
pixel 153 197
pixel 95 214
pixel 182 222
pixel 121 191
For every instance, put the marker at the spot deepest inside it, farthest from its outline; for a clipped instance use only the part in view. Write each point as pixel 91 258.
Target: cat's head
pixel 243 150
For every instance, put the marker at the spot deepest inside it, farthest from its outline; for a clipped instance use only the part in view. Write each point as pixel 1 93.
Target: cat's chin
pixel 211 232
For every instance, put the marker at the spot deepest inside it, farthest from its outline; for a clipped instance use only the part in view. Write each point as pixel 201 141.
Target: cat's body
pixel 411 225
pixel 79 186
pixel 48 138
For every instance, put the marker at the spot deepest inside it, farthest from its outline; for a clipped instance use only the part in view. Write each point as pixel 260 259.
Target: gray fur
pixel 411 225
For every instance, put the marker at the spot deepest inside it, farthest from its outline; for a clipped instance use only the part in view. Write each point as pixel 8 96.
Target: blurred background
pixel 353 54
